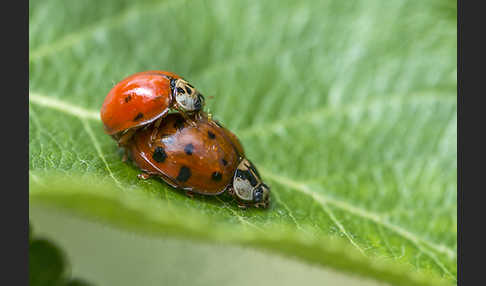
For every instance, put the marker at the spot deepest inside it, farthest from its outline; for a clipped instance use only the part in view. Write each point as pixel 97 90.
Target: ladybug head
pixel 248 185
pixel 187 97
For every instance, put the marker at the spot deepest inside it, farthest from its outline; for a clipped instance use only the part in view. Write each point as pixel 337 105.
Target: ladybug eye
pixel 262 195
pixel 199 102
pixel 257 197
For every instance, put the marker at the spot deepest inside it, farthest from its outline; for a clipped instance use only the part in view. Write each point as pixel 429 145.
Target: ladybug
pixel 206 159
pixel 144 98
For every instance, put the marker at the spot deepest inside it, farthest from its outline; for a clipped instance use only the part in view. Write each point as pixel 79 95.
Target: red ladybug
pixel 144 97
pixel 205 159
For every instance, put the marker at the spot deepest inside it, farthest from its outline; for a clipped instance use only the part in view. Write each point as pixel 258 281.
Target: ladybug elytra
pixel 144 98
pixel 204 158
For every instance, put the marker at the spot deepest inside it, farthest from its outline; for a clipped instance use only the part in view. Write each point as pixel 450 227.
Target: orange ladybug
pixel 206 159
pixel 144 98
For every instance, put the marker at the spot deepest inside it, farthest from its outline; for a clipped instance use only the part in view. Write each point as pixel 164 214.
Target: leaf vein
pixel 329 212
pixel 100 153
pixel 240 218
pixel 64 107
pixel 277 197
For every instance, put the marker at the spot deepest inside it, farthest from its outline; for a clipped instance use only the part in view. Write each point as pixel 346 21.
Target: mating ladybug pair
pixel 187 149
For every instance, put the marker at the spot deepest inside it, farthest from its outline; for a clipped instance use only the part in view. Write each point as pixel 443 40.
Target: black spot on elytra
pixel 189 91
pixel 211 135
pixel 180 90
pixel 138 117
pixel 128 98
pixel 159 155
pixel 190 85
pixel 184 174
pixel 247 176
pixel 216 176
pixel 188 149
pixel 179 124
pixel 224 162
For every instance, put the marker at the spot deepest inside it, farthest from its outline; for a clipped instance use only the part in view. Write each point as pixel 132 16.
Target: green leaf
pixel 347 108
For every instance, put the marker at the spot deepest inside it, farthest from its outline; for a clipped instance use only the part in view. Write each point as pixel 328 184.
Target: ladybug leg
pixel 125 155
pixel 184 114
pixel 198 115
pixel 188 119
pixel 155 130
pixel 190 194
pixel 157 122
pixel 126 137
pixel 144 176
pixel 261 205
pixel 242 206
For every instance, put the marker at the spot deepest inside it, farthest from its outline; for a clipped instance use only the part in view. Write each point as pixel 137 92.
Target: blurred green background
pixel 347 108
pixel 108 256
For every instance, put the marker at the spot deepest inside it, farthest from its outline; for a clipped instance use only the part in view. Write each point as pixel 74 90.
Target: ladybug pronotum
pixel 204 158
pixel 144 98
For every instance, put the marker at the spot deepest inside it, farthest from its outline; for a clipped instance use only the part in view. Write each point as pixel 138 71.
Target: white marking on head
pixel 188 98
